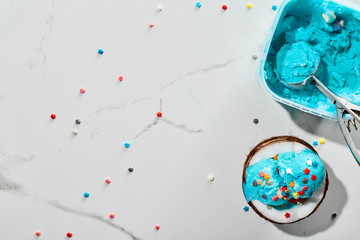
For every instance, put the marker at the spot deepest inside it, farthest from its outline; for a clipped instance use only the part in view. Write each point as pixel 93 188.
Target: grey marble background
pixel 198 61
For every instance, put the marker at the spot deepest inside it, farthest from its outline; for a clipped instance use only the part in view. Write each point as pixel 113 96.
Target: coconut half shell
pixel 267 149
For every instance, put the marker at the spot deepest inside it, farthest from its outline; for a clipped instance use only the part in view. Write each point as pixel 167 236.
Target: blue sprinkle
pixel 198 4
pixel 246 208
pixel 315 164
pixel 315 143
pixel 274 7
pixel 100 51
pixel 127 144
pixel 283 193
pixel 86 194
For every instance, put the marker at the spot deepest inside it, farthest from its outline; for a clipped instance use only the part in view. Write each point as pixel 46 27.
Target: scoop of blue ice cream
pixel 292 176
pixel 296 61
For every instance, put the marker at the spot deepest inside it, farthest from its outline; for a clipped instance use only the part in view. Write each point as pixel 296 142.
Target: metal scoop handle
pixel 343 107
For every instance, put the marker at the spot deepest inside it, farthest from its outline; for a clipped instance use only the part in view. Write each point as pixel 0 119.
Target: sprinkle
pixel 254 183
pixel 269 182
pixel 249 6
pixel 267 177
pixel 263 196
pixel 254 57
pixel 198 4
pixel 295 194
pixel 53 116
pixel 305 188
pixel 292 184
pixel 313 177
pixel 151 25
pixel 256 121
pixel 301 192
pixel 121 78
pixel 288 171
pixel 315 164
pixel 263 183
pixel 284 189
pixel 315 143
pixel 38 233
pixel 274 7
pixel 341 23
pixel 268 207
pixel 259 181
pixel 159 7
pixel 75 132
pixel 107 180
pixel 306 171
pixel 127 144
pixel 276 157
pixel 305 180
pixel 77 121
pixel 224 7
pixel 292 200
pixel 246 208
pixel 100 51
pixel 69 234
pixel 211 178
pixel 287 191
pixel 82 90
pixel 157 227
pixel 309 162
pixel 279 194
pixel 277 170
pixel 86 194
pixel 159 114
pixel 329 16
pixel 283 194
pixel 287 215
pixel 111 215
pixel 274 198
pixel 333 215
pixel 130 169
pixel 261 174
pixel 321 140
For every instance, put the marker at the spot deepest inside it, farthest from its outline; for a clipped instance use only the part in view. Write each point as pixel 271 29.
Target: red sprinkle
pixel 111 215
pixel 301 192
pixel 151 25
pixel 287 215
pixel 292 200
pixel 224 7
pixel 108 181
pixel 261 174
pixel 305 188
pixel 277 170
pixel 313 177
pixel 157 227
pixel 38 233
pixel 121 78
pixel 159 114
pixel 69 234
pixel 82 90
pixel 274 198
pixel 53 116
pixel 284 189
pixel 306 171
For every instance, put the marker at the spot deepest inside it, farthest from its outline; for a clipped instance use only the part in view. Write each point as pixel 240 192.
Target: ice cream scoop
pixel 308 63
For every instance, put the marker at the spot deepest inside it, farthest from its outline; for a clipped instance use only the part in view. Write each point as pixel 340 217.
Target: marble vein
pixel 167 121
pixel 93 216
pixel 121 105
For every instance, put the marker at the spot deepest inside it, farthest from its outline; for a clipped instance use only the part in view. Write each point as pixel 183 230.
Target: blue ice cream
pixel 285 179
pixel 336 42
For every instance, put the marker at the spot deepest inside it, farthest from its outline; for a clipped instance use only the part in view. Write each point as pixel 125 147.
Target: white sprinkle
pixel 211 178
pixel 288 171
pixel 309 162
pixel 75 132
pixel 160 7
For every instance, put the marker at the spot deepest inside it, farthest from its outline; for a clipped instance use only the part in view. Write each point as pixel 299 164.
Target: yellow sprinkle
pixel 249 6
pixel 321 140
pixel 267 176
pixel 292 184
pixel 295 194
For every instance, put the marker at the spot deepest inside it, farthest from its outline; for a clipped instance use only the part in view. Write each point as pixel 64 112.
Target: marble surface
pixel 199 62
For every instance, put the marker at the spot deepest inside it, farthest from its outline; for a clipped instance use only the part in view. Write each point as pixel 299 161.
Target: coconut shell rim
pixel 270 141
